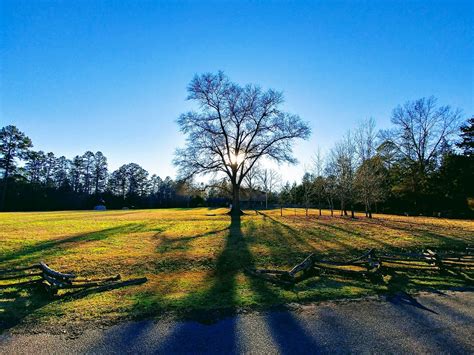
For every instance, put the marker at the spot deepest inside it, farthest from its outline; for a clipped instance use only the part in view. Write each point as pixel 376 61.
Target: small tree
pixel 251 181
pixel 343 164
pixel 307 185
pixel 234 128
pixel 319 182
pixel 370 176
pixel 330 184
pixel 268 179
pixel 284 196
pixel 369 183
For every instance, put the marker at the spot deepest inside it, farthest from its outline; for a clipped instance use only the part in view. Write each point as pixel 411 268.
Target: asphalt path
pixel 440 322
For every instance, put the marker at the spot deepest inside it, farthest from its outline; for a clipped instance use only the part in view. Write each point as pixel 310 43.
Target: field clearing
pixel 194 258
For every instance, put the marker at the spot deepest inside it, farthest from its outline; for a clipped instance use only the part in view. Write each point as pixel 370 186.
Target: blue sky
pixel 112 75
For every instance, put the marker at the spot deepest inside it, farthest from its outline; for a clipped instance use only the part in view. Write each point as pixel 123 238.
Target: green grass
pixel 194 262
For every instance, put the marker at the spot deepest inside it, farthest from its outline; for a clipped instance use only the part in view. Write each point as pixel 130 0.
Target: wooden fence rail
pixel 370 264
pixel 54 280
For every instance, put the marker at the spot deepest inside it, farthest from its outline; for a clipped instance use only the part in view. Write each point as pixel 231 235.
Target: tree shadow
pixel 32 253
pixel 18 302
pixel 182 243
pixel 441 240
pixel 19 299
pixel 229 266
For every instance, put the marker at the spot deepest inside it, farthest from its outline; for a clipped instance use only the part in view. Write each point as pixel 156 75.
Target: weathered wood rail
pixel 371 264
pixel 54 280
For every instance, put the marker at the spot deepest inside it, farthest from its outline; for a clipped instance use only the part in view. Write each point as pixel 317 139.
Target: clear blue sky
pixel 112 75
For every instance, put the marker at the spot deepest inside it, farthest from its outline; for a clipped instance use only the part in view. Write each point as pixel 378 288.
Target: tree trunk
pixel 4 192
pixel 236 211
pixel 266 200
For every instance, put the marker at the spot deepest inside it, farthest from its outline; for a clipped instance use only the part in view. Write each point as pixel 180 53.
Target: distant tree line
pixel 46 182
pixel 423 165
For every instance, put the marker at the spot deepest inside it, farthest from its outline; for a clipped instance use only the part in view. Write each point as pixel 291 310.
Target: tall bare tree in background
pixel 234 128
pixel 307 185
pixel 342 165
pixel 422 130
pixel 370 176
pixel 251 181
pixel 319 181
pixel 269 180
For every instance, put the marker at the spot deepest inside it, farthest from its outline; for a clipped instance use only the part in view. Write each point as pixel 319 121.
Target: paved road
pixel 431 323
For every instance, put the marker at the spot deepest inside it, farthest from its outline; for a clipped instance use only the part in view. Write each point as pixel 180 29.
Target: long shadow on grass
pixel 440 240
pixel 171 244
pixel 17 302
pixel 31 253
pixel 222 299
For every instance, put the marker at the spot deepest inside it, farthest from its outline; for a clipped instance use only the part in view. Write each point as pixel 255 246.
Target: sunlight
pixel 236 159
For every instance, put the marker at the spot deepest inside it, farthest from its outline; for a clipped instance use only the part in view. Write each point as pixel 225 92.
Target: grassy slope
pixel 194 259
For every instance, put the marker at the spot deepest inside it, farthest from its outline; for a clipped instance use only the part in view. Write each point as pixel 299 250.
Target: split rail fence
pixel 371 265
pixel 53 280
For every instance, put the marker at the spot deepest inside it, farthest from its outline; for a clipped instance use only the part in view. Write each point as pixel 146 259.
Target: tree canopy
pixel 234 127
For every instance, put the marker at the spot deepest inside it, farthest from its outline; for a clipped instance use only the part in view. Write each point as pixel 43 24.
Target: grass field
pixel 194 259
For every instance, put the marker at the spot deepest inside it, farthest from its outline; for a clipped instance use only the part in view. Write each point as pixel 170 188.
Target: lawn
pixel 194 259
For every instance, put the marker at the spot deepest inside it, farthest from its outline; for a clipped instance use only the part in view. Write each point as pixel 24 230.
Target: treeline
pixel 424 165
pixel 47 182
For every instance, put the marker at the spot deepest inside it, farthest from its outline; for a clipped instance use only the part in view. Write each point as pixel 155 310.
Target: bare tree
pixel 330 182
pixel 307 185
pixel 370 175
pixel 319 182
pixel 369 183
pixel 269 180
pixel 422 129
pixel 234 128
pixel 343 164
pixel 251 181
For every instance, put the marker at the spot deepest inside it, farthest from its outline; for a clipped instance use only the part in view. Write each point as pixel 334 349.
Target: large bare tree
pixel 234 127
pixel 422 131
